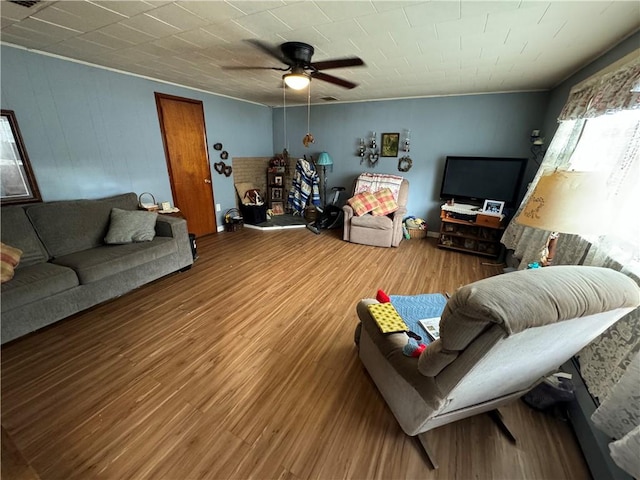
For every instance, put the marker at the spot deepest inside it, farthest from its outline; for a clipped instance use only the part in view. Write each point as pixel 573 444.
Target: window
pixel 611 144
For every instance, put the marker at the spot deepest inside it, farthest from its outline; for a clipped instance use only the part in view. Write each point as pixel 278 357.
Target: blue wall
pixel 91 132
pixel 493 125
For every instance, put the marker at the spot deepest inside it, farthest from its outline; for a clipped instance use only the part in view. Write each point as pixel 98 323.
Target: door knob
pixel 206 180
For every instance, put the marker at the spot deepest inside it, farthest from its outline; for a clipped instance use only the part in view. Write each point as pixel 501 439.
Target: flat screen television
pixel 476 179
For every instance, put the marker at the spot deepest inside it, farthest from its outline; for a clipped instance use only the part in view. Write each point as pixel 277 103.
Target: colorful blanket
pixel 373 182
pixel 306 184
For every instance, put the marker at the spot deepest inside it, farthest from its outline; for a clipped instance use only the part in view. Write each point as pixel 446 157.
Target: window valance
pixel 608 93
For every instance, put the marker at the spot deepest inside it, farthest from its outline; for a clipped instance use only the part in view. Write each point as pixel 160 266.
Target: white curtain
pixel 600 130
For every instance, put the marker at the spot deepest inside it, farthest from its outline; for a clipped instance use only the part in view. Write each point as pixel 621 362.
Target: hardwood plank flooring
pixel 244 367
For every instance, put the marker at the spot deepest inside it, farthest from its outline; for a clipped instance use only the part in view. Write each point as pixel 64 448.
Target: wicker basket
pixel 417 232
pixel 151 207
pixel 233 221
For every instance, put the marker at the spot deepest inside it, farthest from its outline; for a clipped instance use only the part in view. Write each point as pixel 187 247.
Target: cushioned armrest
pixel 176 228
pixel 348 215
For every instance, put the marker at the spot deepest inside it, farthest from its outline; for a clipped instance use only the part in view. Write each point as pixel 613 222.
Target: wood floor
pixel 244 367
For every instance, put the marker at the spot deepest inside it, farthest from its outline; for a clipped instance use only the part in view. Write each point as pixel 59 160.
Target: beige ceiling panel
pixel 13 36
pixel 80 15
pixel 200 37
pixel 214 12
pixel 86 47
pixel 127 34
pixel 388 21
pixel 525 17
pixel 310 36
pixel 262 22
pixel 150 25
pixel 127 8
pixel 229 32
pixel 480 8
pixel 412 36
pixel 425 14
pixel 38 28
pixel 460 28
pixel 177 16
pixel 101 38
pixel 250 7
pixel 344 10
pixel 301 15
pixel 336 31
pixel 18 12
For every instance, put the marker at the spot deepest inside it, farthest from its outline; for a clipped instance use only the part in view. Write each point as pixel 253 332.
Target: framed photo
pixel 276 194
pixel 277 180
pixel 390 143
pixel 18 182
pixel 493 207
pixel 277 208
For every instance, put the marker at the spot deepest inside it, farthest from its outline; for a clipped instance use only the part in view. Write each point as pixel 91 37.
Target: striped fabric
pixel 9 259
pixel 386 203
pixel 373 182
pixel 306 184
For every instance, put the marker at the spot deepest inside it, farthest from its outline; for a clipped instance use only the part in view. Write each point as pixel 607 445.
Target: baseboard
pixel 593 442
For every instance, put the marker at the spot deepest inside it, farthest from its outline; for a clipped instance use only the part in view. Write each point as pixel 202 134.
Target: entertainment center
pixel 464 229
pixel 477 180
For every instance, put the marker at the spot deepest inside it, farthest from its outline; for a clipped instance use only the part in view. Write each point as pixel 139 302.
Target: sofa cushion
pixel 128 226
pixel 17 231
pixel 107 260
pixel 9 260
pixel 369 221
pixel 363 203
pixel 386 202
pixel 75 225
pixel 35 282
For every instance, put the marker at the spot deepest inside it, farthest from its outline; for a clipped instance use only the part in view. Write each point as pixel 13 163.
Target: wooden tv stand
pixel 480 235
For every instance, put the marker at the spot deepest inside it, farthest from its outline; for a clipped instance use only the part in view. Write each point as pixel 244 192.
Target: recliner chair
pixel 499 337
pixel 382 231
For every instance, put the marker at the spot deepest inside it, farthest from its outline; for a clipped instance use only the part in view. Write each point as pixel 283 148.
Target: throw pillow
pixel 9 260
pixel 386 203
pixel 131 226
pixel 363 203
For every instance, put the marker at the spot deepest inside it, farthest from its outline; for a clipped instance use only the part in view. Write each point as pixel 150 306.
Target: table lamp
pixel 324 160
pixel 566 202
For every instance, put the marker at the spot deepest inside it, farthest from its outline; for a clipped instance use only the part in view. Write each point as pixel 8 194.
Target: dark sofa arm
pixel 176 228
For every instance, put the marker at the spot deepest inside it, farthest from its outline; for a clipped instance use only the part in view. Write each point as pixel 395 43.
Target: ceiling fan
pixel 297 57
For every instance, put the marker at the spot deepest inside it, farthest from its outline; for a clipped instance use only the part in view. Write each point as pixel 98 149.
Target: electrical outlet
pixel 217 207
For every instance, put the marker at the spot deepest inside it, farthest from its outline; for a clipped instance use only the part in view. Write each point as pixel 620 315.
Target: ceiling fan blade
pixel 335 80
pixel 338 63
pixel 268 49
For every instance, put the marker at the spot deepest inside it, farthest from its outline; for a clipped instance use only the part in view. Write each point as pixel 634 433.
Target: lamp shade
pixel 297 81
pixel 324 159
pixel 567 202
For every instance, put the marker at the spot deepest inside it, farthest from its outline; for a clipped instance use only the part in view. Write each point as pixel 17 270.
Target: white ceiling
pixel 410 48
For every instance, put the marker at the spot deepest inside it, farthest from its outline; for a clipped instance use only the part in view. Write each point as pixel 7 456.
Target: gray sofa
pixel 66 267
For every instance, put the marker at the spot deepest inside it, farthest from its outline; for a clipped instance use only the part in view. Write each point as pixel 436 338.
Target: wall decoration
pixel 224 155
pixel 368 153
pixel 405 163
pixel 277 180
pixel 223 168
pixel 18 182
pixel 407 141
pixel 390 143
pixel 218 146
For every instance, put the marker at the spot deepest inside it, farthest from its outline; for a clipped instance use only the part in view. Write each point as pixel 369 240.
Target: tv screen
pixel 476 179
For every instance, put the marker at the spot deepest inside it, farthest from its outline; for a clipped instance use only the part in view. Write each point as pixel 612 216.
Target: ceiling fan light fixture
pixel 297 81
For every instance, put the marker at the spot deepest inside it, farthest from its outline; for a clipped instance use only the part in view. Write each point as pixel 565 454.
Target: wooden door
pixel 185 145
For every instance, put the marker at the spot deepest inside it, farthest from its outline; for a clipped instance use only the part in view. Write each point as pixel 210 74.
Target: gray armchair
pixel 384 231
pixel 499 337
